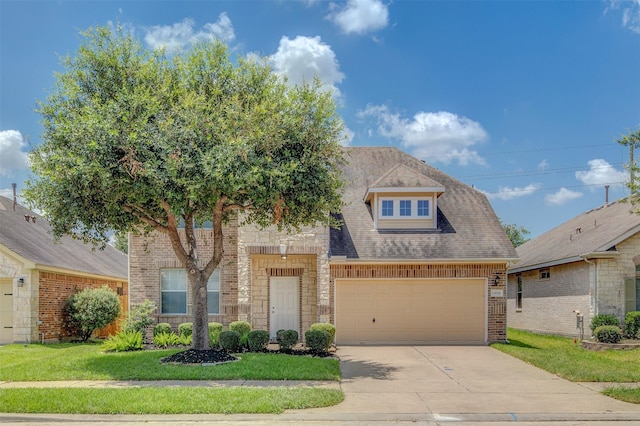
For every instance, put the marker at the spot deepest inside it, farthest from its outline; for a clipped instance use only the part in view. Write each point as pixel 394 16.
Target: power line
pixel 500 175
pixel 548 149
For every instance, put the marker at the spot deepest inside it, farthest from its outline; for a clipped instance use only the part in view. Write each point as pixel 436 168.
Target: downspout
pixel 594 298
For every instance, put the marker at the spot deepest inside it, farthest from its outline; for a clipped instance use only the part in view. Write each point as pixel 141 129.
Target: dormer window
pixel 404 198
pixel 405 207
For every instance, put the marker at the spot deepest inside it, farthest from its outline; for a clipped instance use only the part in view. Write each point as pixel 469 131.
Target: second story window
pixel 405 207
pixel 387 208
pixel 423 208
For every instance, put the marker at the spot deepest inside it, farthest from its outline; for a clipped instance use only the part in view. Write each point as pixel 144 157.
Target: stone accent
pixel 496 309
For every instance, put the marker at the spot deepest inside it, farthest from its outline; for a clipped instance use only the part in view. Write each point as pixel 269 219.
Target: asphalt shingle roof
pixel 468 228
pixel 35 242
pixel 597 230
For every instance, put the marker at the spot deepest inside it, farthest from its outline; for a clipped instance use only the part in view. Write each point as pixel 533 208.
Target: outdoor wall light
pixel 283 251
pixel 20 282
pixel 496 280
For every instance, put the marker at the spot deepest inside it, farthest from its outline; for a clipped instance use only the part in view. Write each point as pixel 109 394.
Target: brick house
pixel 420 259
pixel 589 264
pixel 38 274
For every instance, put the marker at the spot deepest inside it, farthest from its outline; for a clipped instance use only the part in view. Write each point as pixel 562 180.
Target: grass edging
pixel 165 400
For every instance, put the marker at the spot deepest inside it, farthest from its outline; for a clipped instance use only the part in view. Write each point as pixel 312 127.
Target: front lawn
pixel 87 362
pixel 569 360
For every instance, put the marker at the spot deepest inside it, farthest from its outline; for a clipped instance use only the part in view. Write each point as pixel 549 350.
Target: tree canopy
pixel 517 234
pixel 134 139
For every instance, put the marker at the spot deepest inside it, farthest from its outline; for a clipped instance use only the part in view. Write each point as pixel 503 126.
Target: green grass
pixel 628 395
pixel 569 360
pixel 86 362
pixel 165 400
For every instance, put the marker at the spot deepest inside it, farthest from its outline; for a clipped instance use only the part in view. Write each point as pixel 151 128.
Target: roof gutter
pixel 579 258
pixel 344 259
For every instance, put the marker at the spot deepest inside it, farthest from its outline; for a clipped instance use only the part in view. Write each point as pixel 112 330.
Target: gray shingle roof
pixel 467 225
pixel 34 242
pixel 597 230
pixel 401 176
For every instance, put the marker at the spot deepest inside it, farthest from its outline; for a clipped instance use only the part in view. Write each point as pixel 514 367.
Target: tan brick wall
pixel 54 290
pixel 149 254
pixel 496 309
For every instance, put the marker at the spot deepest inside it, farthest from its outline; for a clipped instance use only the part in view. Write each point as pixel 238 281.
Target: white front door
pixel 6 311
pixel 284 300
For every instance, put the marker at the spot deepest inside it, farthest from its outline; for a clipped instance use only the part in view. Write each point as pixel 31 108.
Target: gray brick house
pixel 589 264
pixel 421 258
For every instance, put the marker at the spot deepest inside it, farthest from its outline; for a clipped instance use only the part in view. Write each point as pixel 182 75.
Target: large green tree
pixel 136 139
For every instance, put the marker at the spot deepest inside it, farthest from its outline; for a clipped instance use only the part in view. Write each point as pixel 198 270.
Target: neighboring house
pixel 421 258
pixel 589 264
pixel 38 274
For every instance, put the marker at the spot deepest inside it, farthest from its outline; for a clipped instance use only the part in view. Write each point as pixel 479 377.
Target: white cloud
pixel 563 196
pixel 600 173
pixel 433 136
pixel 304 58
pixel 347 136
pixel 176 36
pixel 360 16
pixel 508 193
pixel 630 13
pixel 543 165
pixel 11 155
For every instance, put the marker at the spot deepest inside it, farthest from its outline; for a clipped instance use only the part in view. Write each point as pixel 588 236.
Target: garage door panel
pixel 411 311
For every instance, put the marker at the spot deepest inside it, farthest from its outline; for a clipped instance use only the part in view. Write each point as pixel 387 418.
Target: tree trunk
pixel 200 337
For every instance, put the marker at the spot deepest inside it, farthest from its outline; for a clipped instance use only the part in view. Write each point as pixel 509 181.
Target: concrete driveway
pixel 463 383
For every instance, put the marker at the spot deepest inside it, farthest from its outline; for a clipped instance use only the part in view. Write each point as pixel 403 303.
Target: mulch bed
pixel 217 356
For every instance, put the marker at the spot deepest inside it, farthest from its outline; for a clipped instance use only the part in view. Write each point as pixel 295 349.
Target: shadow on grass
pixel 520 344
pixel 365 369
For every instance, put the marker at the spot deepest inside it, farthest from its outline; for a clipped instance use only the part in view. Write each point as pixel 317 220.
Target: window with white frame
pixel 405 208
pixel 519 293
pixel 545 274
pixel 173 284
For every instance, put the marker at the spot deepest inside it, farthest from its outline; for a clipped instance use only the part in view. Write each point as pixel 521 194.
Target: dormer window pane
pixel 423 207
pixel 387 208
pixel 405 207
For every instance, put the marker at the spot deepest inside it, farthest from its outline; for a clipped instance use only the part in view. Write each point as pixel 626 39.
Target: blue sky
pixel 521 99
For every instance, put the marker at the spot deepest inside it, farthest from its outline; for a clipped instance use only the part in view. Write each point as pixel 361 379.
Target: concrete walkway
pixel 392 385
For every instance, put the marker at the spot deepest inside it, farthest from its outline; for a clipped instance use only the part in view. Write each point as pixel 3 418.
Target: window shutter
pixel 629 295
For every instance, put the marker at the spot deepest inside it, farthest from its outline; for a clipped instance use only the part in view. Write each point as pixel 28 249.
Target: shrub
pixel 229 340
pixel 608 334
pixel 287 338
pixel 185 340
pixel 163 340
pixel 139 317
pixel 603 319
pixel 215 328
pixel 185 329
pixel 257 340
pixel 162 328
pixel 632 325
pixel 318 340
pixel 123 341
pixel 241 327
pixel 329 328
pixel 91 309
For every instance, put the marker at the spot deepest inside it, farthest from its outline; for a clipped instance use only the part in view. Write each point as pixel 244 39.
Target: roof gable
pixel 28 235
pixel 401 178
pixel 595 231
pixel 467 225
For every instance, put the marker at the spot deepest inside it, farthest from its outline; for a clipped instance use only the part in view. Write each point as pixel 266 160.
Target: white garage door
pixel 449 311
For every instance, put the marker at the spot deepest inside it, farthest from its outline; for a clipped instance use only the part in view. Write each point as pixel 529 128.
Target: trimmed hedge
pixel 632 325
pixel 329 328
pixel 215 328
pixel 257 340
pixel 604 319
pixel 162 328
pixel 229 341
pixel 185 329
pixel 318 340
pixel 608 334
pixel 286 338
